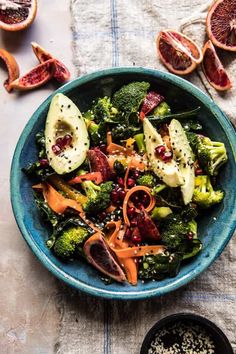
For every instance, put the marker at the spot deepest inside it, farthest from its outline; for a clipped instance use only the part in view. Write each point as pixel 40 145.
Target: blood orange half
pixel 214 70
pixel 99 255
pixel 178 52
pixel 221 24
pixel 16 15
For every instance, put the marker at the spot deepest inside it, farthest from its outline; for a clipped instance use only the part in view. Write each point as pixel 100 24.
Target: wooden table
pixel 38 313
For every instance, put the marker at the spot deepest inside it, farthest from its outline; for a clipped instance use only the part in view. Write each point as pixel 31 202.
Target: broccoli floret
pixel 70 239
pixel 204 194
pixel 129 97
pixel 174 231
pixel 163 109
pixel 123 131
pixel 139 139
pixel 96 131
pixel 211 154
pixel 159 266
pixel 98 196
pixel 147 180
pixel 103 110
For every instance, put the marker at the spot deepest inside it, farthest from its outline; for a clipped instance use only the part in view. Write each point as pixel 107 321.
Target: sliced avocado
pixel 184 154
pixel 168 172
pixel 64 118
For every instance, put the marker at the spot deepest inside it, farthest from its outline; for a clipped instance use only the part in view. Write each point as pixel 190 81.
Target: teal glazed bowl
pixel 215 228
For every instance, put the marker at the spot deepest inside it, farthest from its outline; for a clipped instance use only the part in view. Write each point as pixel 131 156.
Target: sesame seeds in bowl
pixel 185 334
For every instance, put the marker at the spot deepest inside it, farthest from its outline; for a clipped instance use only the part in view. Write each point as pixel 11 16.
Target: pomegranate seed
pixel 131 212
pixel 198 171
pixel 145 200
pixel 190 235
pixel 128 233
pixel 130 182
pixel 136 174
pixel 56 149
pixel 136 237
pixel 167 156
pixel 114 196
pixel 59 142
pixel 67 139
pixel 120 181
pixel 43 163
pixel 103 148
pixel 133 223
pixel 121 194
pixel 160 150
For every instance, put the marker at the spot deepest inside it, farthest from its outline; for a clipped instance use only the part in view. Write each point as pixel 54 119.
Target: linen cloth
pixel 122 33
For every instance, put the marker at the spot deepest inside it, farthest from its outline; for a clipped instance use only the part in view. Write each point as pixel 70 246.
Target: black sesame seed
pixel 68 106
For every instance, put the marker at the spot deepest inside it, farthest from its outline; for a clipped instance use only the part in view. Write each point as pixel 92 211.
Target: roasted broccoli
pixel 163 109
pixel 180 236
pixel 129 97
pixel 66 244
pixel 147 180
pixel 211 154
pixel 159 266
pixel 123 131
pixel 104 111
pixel 97 131
pixel 98 196
pixel 174 231
pixel 204 194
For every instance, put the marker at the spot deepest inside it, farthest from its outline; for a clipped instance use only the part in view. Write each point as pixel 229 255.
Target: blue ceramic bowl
pixel 215 229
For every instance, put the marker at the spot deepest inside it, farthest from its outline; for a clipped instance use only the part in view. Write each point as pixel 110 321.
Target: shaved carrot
pixel 110 209
pixel 116 243
pixel 141 251
pixel 112 228
pixel 138 162
pixel 128 195
pixel 93 176
pixel 109 138
pixel 113 148
pixel 70 192
pixel 56 201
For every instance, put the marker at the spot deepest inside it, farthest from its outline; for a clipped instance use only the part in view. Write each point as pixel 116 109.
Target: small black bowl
pixel 221 342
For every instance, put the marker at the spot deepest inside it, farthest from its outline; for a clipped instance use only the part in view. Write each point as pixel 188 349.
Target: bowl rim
pixel 186 316
pixel 227 127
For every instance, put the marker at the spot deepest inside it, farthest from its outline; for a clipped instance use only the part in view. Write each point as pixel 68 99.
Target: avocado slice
pixel 184 154
pixel 168 172
pixel 65 119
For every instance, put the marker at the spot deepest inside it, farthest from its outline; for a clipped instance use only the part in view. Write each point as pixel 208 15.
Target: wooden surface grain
pixel 38 313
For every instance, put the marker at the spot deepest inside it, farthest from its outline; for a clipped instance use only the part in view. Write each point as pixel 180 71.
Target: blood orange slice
pixel 34 78
pixel 213 69
pixel 221 24
pixel 178 52
pixel 16 15
pixel 12 67
pixel 61 73
pixel 99 255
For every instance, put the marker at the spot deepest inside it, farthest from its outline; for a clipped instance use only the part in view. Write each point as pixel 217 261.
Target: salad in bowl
pixel 122 185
